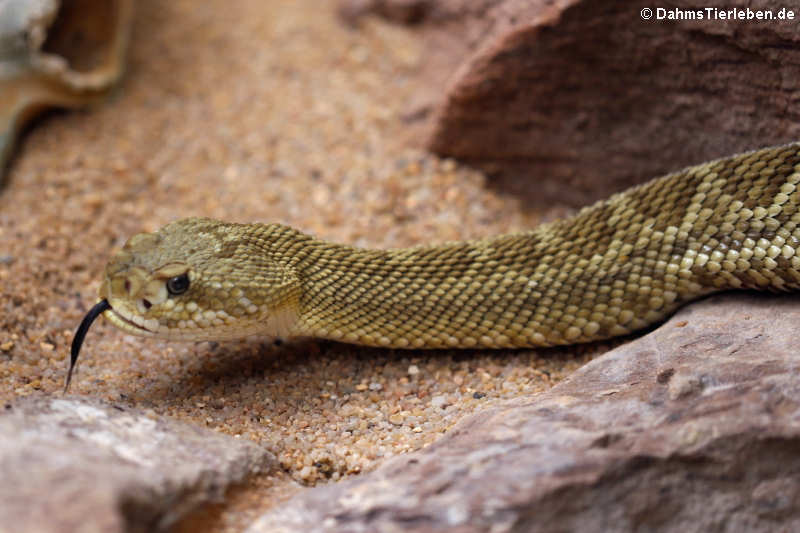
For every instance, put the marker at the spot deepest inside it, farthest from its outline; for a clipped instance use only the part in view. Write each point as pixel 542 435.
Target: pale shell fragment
pixel 57 55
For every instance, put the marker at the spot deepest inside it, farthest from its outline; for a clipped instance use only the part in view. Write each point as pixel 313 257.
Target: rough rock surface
pixel 568 99
pixel 694 427
pixel 70 464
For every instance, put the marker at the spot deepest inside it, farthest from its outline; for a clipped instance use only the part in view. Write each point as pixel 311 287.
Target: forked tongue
pixel 77 341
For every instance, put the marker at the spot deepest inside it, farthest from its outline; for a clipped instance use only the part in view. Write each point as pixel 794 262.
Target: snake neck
pixel 614 268
pixel 416 297
pixel 540 288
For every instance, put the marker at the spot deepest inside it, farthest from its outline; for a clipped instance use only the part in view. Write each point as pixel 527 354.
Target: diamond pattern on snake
pixel 615 267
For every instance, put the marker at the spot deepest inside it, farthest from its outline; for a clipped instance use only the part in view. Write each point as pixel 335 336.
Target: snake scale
pixel 613 268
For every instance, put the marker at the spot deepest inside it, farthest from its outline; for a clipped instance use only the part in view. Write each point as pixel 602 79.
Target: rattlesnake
pixel 613 268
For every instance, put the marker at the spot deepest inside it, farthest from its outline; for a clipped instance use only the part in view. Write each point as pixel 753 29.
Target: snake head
pixel 200 279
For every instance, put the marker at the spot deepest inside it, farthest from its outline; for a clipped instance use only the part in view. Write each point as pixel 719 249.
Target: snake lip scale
pixel 116 317
pixel 615 267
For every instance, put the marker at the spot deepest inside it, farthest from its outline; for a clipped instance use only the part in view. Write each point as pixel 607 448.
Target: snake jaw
pixel 131 323
pixel 281 323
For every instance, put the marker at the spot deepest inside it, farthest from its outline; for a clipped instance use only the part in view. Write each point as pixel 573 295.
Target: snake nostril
pixel 146 304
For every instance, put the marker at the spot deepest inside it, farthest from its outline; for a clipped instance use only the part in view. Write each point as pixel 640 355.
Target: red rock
pixel 570 100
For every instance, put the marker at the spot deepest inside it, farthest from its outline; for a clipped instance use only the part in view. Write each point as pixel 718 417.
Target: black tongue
pixel 77 341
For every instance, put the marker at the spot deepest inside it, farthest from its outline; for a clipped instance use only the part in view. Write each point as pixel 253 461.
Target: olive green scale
pixel 613 268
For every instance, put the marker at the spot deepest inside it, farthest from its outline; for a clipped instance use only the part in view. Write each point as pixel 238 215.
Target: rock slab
pixel 693 427
pixel 570 100
pixel 80 465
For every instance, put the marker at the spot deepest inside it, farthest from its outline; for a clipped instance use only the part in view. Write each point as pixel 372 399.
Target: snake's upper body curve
pixel 615 267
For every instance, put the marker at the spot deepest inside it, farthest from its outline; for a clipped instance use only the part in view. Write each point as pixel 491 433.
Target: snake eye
pixel 178 284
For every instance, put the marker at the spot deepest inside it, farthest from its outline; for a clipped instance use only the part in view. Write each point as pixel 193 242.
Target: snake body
pixel 615 267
